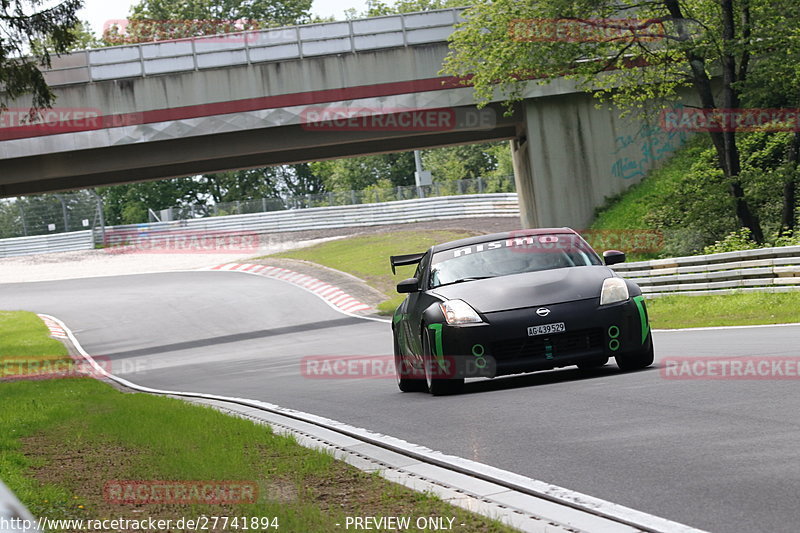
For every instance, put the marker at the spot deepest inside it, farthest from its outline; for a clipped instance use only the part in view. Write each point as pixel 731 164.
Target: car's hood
pixel 529 289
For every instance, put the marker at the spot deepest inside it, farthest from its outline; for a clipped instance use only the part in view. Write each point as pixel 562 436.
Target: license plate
pixel 546 329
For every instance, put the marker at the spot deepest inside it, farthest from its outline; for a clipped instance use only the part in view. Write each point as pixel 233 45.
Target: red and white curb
pixel 56 330
pixel 330 293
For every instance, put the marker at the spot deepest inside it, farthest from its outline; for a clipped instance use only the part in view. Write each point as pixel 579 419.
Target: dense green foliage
pixel 688 201
pixel 22 24
pixel 643 56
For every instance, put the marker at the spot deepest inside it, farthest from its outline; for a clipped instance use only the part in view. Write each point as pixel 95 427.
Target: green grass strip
pixel 62 440
pixel 739 309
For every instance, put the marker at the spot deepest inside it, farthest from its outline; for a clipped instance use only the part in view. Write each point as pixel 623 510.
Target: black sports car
pixel 514 302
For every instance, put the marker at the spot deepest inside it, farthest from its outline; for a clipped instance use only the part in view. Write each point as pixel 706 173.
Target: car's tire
pixel 407 382
pixel 437 386
pixel 593 363
pixel 637 360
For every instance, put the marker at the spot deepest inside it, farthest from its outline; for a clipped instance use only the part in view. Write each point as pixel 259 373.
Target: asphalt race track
pixel 718 455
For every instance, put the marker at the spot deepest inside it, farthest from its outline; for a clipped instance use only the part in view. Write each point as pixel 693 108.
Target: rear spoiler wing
pixel 408 259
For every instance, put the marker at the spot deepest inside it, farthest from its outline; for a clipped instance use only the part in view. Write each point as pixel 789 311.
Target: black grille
pixel 561 344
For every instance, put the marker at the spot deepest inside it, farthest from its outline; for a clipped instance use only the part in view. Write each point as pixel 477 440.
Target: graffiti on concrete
pixel 652 144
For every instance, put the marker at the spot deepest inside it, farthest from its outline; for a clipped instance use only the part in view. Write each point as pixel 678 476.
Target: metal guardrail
pixel 245 48
pixel 45 244
pixel 760 270
pixel 367 196
pixel 417 210
pixel 13 514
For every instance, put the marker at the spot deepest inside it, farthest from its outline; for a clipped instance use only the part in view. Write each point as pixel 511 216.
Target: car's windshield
pixel 510 256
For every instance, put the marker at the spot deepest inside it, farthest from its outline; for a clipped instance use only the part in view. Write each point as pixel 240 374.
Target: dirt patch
pixel 85 472
pixel 337 490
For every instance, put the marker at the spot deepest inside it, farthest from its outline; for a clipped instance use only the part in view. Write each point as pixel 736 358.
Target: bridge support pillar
pixel 523 180
pixel 569 156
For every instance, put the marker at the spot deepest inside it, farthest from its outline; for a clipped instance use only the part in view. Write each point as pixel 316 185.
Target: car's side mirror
pixel 408 285
pixel 612 257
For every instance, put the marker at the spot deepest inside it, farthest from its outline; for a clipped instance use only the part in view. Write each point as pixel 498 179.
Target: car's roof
pixel 469 241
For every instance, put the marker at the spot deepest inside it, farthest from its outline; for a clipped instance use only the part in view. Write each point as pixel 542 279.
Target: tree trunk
pixel 724 141
pixel 790 185
pixel 731 101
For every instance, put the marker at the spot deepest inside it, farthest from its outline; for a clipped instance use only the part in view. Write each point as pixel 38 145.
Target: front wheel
pixel 438 386
pixel 637 360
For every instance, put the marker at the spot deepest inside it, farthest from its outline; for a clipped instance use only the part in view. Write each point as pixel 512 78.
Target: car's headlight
pixel 614 290
pixel 459 312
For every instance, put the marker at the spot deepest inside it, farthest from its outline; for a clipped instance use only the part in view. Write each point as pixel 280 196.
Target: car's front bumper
pixel 502 345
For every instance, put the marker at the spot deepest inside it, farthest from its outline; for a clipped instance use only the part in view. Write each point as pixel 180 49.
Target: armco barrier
pixel 761 270
pixel 45 244
pixel 399 212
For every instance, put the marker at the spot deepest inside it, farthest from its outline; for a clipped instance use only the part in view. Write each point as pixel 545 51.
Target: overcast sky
pixel 97 12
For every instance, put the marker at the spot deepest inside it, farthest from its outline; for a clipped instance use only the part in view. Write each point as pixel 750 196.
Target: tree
pixel 129 203
pixel 252 184
pixel 23 22
pixel 637 55
pixel 460 162
pixel 376 8
pixel 83 38
pixel 357 173
pixel 156 20
pixel 774 82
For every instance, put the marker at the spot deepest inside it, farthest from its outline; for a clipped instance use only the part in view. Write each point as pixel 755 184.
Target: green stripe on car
pixel 639 300
pixel 438 351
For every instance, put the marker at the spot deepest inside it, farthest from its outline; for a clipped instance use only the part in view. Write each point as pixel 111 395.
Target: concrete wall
pixel 579 155
pixel 237 82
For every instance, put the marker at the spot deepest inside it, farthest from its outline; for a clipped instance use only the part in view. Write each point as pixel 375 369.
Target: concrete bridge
pixel 340 89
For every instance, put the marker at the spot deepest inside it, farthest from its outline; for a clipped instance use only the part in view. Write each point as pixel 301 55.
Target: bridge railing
pixel 761 270
pixel 274 44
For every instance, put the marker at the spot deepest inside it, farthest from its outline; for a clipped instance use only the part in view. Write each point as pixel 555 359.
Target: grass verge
pixel 629 210
pixel 367 257
pixel 64 439
pixel 739 309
